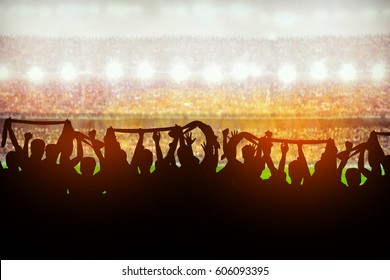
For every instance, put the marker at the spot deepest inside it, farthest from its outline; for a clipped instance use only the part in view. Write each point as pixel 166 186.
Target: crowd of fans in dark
pixel 41 183
pixel 194 190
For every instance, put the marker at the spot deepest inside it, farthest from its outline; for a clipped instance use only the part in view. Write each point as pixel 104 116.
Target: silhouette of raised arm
pixel 302 158
pixel 282 162
pixel 156 139
pixel 14 141
pixel 362 168
pixel 138 149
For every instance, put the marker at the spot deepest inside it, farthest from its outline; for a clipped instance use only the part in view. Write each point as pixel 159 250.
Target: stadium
pixel 240 83
pixel 300 73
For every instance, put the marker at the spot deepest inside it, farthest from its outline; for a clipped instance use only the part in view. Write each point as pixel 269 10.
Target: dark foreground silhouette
pixel 185 209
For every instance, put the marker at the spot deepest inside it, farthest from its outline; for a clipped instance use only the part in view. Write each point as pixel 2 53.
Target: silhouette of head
pixel 12 160
pixel 118 160
pixel 322 168
pixel 52 152
pixel 37 148
pixel 146 161
pixel 248 152
pixel 353 177
pixel 122 156
pixel 87 166
pixel 186 158
pixel 295 170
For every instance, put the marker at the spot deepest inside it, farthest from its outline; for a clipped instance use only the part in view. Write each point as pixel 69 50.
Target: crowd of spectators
pixel 94 52
pixel 356 135
pixel 98 99
pixel 91 94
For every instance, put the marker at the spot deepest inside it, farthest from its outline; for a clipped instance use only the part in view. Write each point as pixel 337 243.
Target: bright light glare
pixel 114 70
pixel 240 71
pixel 35 74
pixel 180 72
pixel 287 74
pixel 348 72
pixel 255 71
pixel 378 72
pixel 68 72
pixel 212 74
pixel 318 71
pixel 145 71
pixel 4 73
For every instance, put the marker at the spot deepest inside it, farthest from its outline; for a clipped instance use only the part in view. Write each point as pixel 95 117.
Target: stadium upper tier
pixel 97 99
pixel 195 77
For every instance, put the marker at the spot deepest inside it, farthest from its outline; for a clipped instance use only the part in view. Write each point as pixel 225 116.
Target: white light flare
pixel 145 71
pixel 256 71
pixel 348 72
pixel 35 74
pixel 212 74
pixel 318 71
pixel 4 73
pixel 240 71
pixel 68 72
pixel 287 74
pixel 114 70
pixel 378 72
pixel 180 72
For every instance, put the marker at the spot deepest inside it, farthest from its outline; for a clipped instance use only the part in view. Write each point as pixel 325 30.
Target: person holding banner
pixel 298 169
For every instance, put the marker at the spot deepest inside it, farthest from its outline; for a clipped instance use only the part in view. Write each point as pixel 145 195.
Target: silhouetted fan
pixel 153 203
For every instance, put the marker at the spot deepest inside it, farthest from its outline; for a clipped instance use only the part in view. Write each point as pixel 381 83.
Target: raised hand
pixel 28 136
pixel 188 139
pixel 225 132
pixel 156 136
pixel 215 142
pixel 206 148
pixel 92 134
pixel 176 132
pixel 233 133
pixel 268 134
pixel 284 148
pixel 348 145
pixel 8 123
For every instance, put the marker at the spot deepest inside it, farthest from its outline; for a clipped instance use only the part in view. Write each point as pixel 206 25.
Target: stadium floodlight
pixel 318 71
pixel 378 72
pixel 287 74
pixel 255 71
pixel 114 70
pixel 348 72
pixel 4 73
pixel 240 71
pixel 180 72
pixel 145 71
pixel 212 74
pixel 68 72
pixel 35 74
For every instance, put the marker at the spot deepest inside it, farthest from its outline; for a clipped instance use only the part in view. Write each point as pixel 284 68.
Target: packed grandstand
pixel 176 79
pixel 173 77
